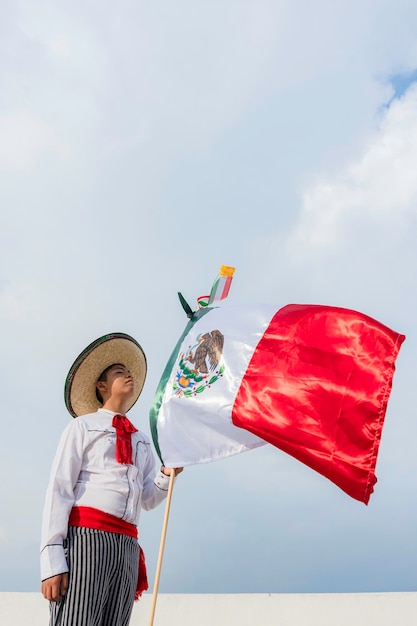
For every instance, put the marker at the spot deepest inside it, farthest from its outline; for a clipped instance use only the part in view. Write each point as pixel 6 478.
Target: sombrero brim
pixel 80 385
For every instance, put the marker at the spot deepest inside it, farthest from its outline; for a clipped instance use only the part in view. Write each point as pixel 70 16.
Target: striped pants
pixel 103 571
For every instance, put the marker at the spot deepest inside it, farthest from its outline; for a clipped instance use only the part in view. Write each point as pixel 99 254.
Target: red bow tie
pixel 124 429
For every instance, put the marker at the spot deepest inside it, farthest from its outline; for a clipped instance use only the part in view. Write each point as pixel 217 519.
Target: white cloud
pixel 60 45
pixel 381 185
pixel 24 139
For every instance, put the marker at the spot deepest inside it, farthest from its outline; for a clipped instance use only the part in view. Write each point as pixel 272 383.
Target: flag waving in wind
pixel 312 380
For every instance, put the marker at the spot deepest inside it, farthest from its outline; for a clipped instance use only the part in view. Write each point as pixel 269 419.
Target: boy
pixel 102 475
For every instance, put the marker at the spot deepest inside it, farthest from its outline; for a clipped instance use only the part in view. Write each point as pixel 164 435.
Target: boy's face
pixel 119 382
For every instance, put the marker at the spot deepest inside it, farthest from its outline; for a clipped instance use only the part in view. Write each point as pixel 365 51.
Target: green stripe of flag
pixel 160 390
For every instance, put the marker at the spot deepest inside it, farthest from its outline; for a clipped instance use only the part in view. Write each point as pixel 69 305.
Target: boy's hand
pixel 55 587
pixel 167 470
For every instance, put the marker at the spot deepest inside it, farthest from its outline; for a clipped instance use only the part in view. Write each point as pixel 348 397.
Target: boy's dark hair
pixel 103 378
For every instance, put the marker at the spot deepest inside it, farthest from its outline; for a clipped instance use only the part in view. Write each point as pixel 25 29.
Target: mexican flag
pixel 312 380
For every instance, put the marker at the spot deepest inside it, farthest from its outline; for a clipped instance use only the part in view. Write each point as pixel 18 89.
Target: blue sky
pixel 402 82
pixel 140 149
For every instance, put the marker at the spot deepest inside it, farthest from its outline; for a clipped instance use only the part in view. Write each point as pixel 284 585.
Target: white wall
pixel 375 609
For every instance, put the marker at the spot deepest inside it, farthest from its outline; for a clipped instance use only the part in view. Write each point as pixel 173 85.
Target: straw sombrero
pixel 80 385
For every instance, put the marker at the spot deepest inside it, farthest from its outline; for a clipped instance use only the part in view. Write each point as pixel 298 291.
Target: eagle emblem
pixel 199 366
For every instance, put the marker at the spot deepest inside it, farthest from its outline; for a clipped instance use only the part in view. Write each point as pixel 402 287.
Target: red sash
pixel 88 517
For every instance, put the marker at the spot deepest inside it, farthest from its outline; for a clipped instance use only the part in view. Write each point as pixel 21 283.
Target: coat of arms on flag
pixel 199 366
pixel 312 380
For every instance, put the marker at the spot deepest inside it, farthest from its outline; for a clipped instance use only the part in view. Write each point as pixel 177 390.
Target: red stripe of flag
pixel 317 387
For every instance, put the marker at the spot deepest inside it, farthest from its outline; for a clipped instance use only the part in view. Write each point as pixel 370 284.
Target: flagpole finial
pixel 227 271
pixel 186 306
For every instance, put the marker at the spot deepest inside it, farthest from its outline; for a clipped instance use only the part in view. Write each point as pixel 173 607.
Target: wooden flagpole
pixel 161 547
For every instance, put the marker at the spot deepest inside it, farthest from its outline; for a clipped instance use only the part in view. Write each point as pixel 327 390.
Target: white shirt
pixel 85 473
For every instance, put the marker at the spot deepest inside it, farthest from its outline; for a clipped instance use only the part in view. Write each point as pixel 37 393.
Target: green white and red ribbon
pixel 220 288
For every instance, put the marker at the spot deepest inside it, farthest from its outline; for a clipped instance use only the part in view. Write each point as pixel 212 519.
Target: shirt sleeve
pixel 155 484
pixel 59 499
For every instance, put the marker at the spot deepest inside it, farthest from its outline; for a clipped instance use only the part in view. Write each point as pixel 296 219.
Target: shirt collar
pixel 107 412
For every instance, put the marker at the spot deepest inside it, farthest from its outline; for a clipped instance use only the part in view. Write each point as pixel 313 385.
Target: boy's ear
pixel 101 385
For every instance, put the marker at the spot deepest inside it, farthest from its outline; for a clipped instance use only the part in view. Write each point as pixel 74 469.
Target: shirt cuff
pixel 162 481
pixel 53 561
